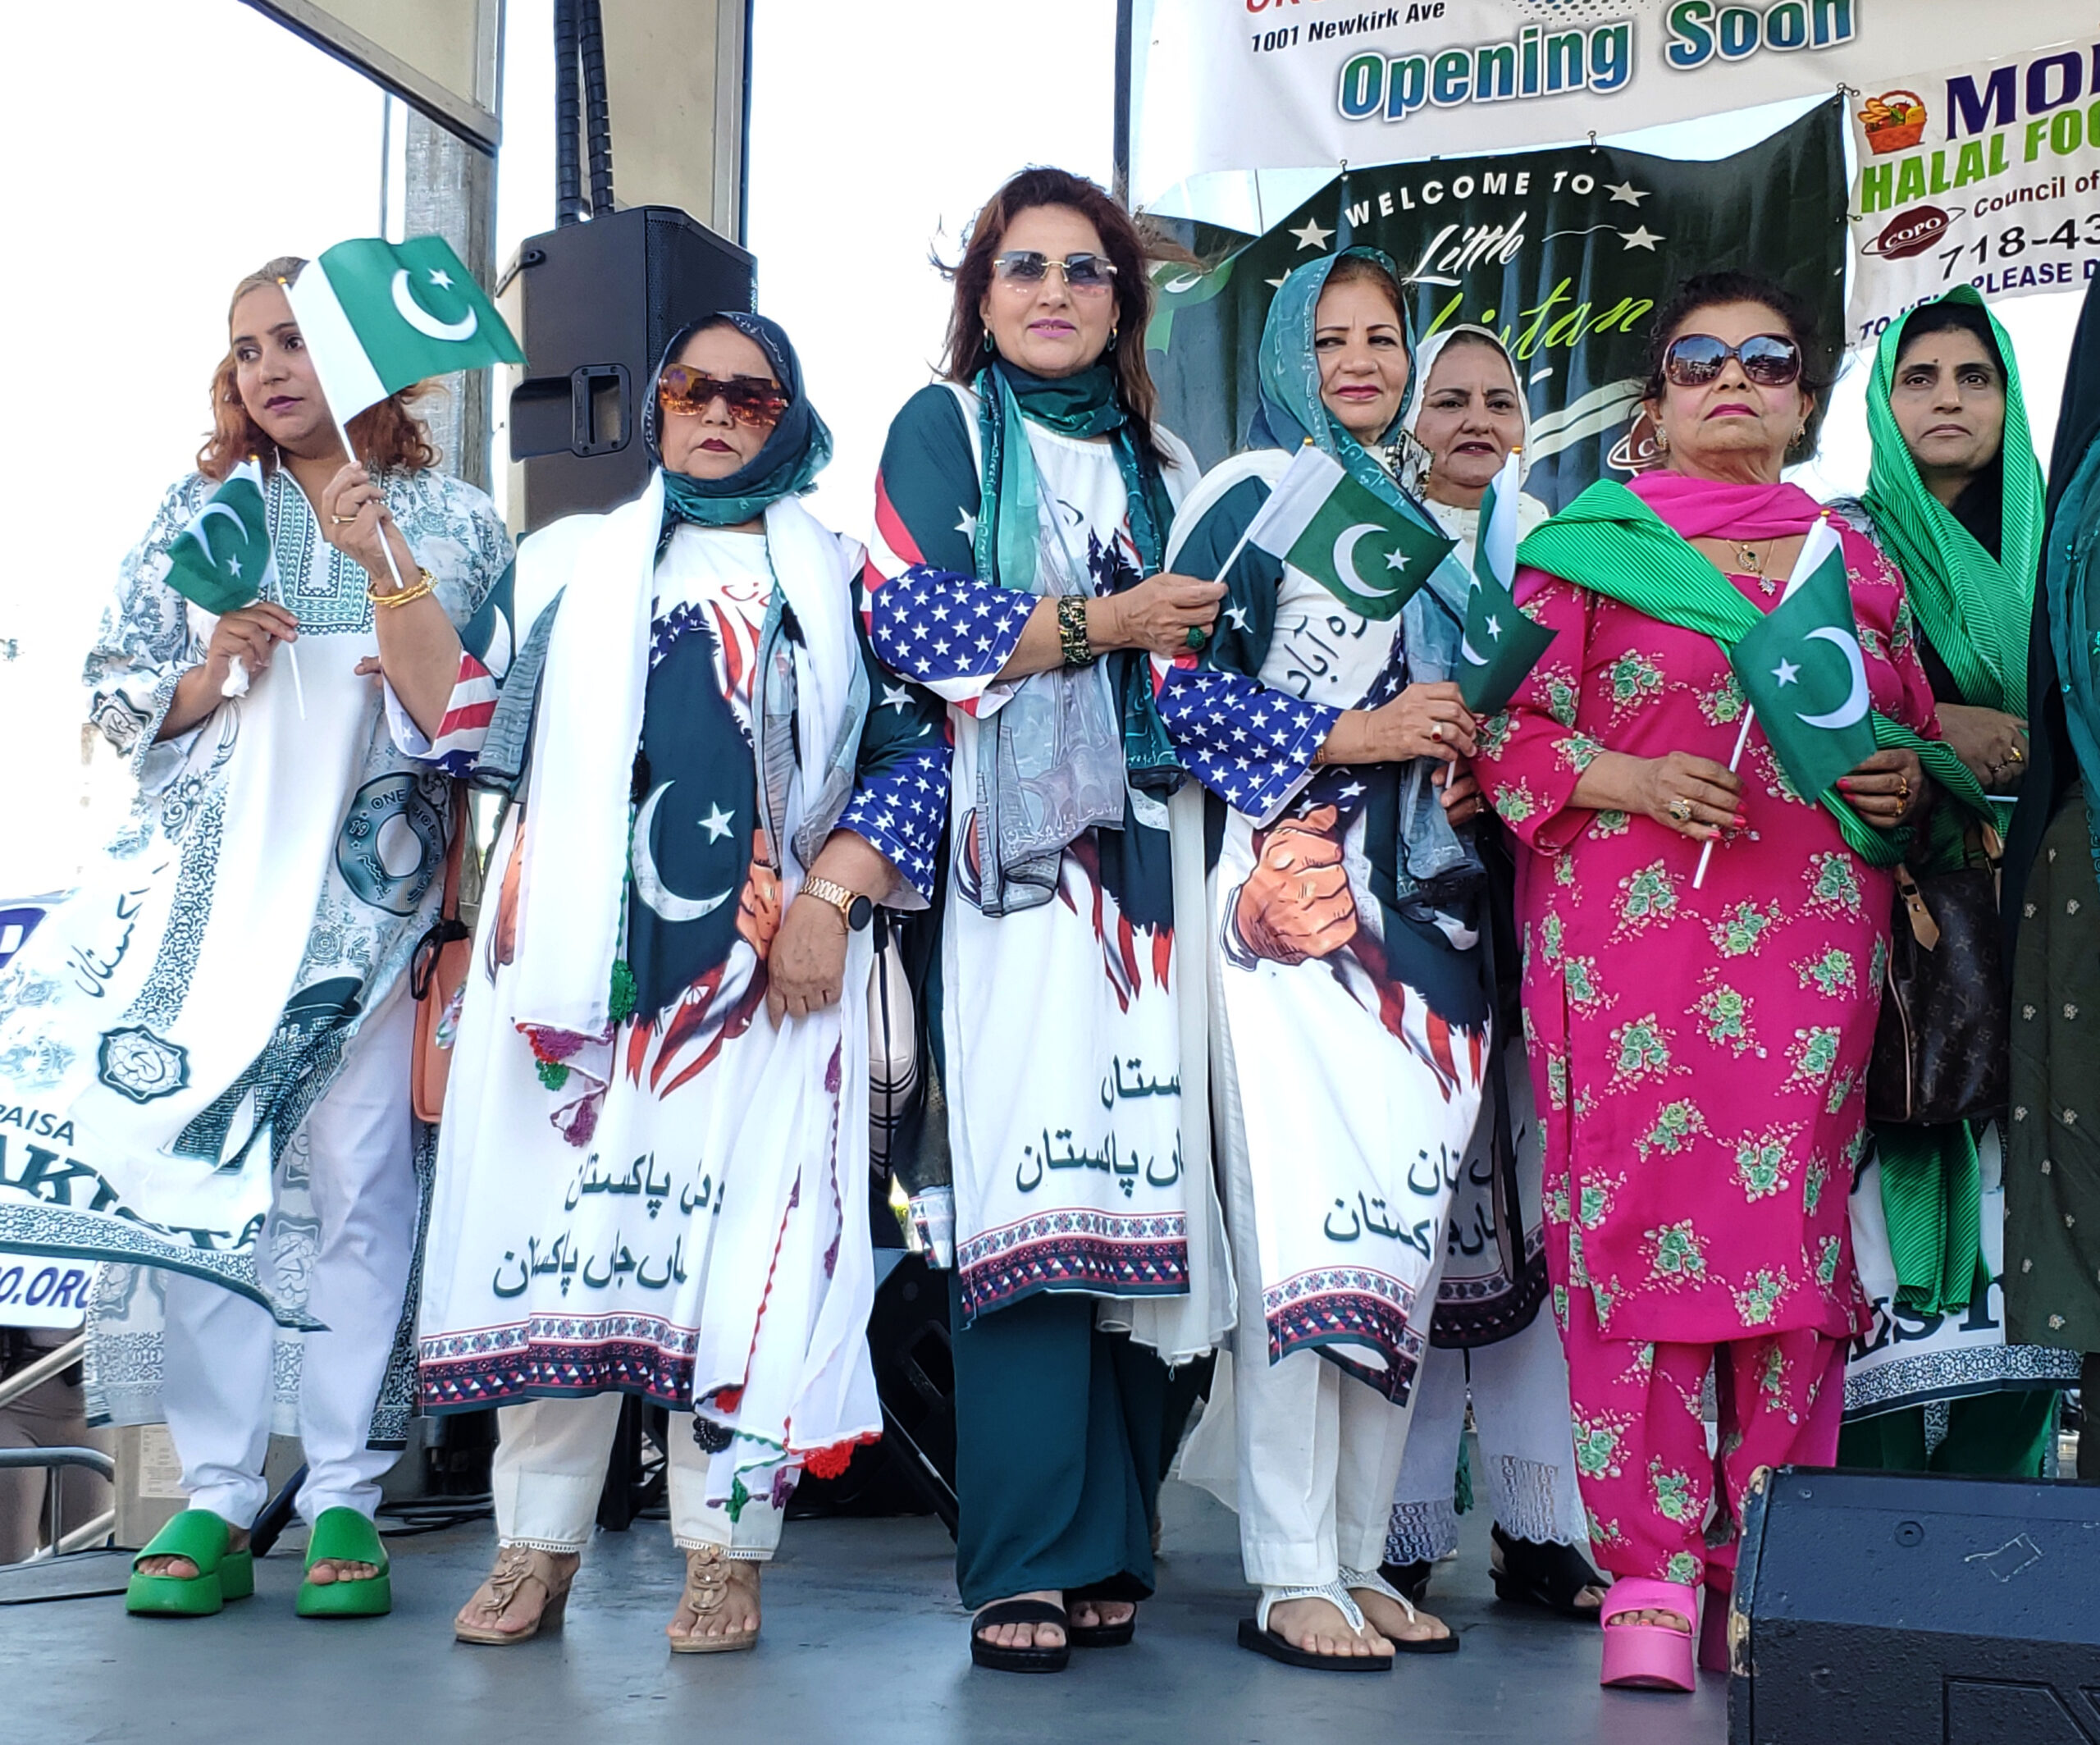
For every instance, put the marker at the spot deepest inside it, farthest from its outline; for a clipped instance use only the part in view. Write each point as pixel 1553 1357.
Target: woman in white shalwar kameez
pixel 653 1175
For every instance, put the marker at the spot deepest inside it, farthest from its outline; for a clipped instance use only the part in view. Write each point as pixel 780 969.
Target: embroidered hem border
pixel 1343 1306
pixel 1074 1250
pixel 1953 1375
pixel 1485 1311
pixel 558 1356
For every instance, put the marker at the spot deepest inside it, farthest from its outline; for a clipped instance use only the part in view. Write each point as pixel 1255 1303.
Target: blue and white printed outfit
pixel 218 1022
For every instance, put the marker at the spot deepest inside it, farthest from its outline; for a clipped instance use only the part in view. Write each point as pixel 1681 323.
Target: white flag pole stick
pixel 1809 559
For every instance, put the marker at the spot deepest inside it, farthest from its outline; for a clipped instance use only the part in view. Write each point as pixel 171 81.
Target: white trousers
pixel 216 1358
pixel 550 1468
pixel 1527 1477
pixel 1319 1451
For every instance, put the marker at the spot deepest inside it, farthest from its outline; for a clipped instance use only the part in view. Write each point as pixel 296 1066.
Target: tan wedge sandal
pixel 518 1570
pixel 711 1572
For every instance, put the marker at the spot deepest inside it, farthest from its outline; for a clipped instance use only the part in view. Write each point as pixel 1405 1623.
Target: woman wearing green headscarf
pixel 1352 1020
pixel 1955 498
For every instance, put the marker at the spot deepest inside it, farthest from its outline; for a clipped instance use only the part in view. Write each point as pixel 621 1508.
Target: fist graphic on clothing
pixel 1297 903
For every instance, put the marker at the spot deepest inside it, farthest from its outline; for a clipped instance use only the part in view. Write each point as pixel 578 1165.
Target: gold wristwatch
pixel 853 908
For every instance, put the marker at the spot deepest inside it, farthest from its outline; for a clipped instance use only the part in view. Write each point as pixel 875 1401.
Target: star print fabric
pixel 1699 1055
pixel 951 634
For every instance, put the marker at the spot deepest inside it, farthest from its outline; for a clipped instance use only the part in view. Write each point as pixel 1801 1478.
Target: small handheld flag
pixel 377 317
pixel 1803 672
pixel 222 561
pixel 1817 744
pixel 1501 646
pixel 1363 551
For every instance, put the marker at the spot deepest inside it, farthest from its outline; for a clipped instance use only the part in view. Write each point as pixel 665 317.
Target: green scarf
pixel 1975 608
pixel 1609 540
pixel 1085 405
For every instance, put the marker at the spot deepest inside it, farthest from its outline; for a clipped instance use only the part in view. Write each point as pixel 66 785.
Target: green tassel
pixel 1462 1481
pixel 738 1496
pixel 553 1074
pixel 619 1003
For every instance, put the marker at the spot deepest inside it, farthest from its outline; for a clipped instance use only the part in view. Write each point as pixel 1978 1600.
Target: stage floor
pixel 865 1642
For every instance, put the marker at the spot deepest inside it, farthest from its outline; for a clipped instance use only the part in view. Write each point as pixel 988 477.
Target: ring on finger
pixel 1436 731
pixel 342 521
pixel 1680 810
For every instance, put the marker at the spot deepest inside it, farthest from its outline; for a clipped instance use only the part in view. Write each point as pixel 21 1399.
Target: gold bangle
pixel 424 583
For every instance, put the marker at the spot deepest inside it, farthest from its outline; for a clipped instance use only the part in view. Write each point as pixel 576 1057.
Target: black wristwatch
pixel 854 909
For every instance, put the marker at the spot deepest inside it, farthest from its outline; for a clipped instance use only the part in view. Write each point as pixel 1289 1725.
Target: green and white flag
pixel 1804 676
pixel 1500 646
pixel 378 317
pixel 222 559
pixel 1363 551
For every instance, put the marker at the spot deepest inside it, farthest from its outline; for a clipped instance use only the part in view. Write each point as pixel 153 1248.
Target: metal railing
pixel 55 1461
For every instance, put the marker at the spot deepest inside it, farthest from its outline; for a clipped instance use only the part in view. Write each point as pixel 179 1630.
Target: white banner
pixel 1986 174
pixel 1250 84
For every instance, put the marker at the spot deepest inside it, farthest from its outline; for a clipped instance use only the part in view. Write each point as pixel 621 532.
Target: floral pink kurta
pixel 1699 1056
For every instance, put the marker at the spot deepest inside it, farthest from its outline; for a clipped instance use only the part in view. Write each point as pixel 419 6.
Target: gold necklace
pixel 1753 564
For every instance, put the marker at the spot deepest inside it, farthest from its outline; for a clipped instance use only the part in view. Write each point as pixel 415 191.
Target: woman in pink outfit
pixel 1699 1054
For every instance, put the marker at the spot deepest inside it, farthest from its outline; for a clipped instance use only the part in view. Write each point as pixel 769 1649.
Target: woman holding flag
pixel 1014 584
pixel 219 1022
pixel 1699 1032
pixel 1955 500
pixel 1489 1343
pixel 1353 1026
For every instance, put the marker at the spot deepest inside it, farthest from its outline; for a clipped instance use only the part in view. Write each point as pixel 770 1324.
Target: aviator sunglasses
pixel 750 400
pixel 1771 360
pixel 1082 273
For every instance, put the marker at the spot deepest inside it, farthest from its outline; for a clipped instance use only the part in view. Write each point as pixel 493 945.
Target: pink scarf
pixel 1708 509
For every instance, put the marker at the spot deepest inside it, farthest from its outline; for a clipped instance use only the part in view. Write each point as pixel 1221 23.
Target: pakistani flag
pixel 1802 671
pixel 378 317
pixel 222 559
pixel 1362 549
pixel 1501 646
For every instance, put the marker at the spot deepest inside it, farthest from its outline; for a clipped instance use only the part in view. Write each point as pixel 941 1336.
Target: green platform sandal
pixel 222 1574
pixel 343 1536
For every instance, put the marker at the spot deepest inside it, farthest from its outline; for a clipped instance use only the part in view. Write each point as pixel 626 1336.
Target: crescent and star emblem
pixel 1345 544
pixel 406 306
pixel 1854 708
pixel 196 531
pixel 663 901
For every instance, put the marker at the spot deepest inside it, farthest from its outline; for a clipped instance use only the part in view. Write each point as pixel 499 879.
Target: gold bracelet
pixel 424 583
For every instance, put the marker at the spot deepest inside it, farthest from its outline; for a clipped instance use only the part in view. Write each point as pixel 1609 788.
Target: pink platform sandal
pixel 1648 1657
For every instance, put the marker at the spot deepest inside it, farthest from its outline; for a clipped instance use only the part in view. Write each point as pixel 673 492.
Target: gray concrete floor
pixel 864 1642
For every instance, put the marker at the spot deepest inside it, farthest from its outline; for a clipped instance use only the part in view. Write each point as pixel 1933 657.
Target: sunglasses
pixel 1082 273
pixel 1771 360
pixel 685 393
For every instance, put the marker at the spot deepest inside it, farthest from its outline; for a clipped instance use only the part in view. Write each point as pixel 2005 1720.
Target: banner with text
pixel 1986 174
pixel 1566 254
pixel 1250 84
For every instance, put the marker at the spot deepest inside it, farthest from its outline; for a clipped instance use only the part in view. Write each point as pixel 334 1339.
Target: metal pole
pixel 1120 185
pixel 51 1363
pixel 451 193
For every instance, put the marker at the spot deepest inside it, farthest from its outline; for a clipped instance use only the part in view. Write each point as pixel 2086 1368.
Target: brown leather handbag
pixel 1941 1050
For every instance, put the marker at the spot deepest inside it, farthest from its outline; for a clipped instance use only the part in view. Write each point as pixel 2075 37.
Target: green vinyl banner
pixel 1567 253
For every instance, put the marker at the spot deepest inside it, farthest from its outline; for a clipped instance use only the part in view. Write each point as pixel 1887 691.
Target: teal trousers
pixel 1059 1430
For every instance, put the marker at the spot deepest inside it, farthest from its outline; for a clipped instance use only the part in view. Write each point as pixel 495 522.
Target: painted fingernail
pixel 1740 821
pixel 1844 784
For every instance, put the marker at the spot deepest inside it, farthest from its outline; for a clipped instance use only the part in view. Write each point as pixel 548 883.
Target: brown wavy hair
pixel 387 435
pixel 969 348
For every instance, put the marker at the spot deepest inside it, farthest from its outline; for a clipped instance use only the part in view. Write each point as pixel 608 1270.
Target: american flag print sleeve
pixel 900 800
pixel 1252 744
pixel 487 640
pixel 929 617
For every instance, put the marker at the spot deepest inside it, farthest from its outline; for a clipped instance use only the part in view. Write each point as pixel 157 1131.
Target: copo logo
pixel 1911 232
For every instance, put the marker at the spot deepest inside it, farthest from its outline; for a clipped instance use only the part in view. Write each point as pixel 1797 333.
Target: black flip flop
pixel 1268 1642
pixel 1549 1577
pixel 1103 1635
pixel 982 1653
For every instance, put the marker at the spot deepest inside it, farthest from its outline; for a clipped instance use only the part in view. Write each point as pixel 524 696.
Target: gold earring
pixel 1801 430
pixel 1662 440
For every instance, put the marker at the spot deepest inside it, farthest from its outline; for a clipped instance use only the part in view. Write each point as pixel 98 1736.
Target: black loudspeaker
pixel 595 304
pixel 1909 1610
